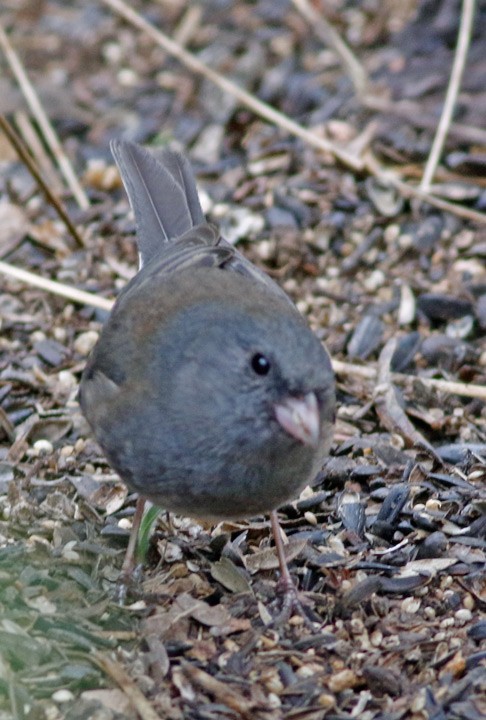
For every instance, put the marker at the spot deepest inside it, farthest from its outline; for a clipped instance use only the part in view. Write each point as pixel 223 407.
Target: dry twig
pixel 279 119
pixel 247 99
pixel 463 41
pixel 57 288
pixel 119 675
pixel 23 154
pixel 222 691
pixel 25 128
pixel 414 114
pixel 37 110
pixel 325 32
pixel 410 191
pixel 340 368
pixel 369 372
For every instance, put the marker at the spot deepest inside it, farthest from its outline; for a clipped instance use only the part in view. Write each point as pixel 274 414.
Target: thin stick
pixel 118 674
pixel 130 555
pixel 78 296
pixel 279 546
pixel 409 191
pixel 370 373
pixel 22 121
pixel 23 154
pixel 462 47
pixel 188 24
pixel 281 120
pixel 257 106
pixel 412 112
pixel 325 32
pixel 340 368
pixel 37 110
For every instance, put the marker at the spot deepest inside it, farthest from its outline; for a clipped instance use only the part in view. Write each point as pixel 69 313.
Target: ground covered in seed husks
pixel 388 546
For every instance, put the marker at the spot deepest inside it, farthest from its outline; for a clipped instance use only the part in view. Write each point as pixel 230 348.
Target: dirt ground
pixel 388 546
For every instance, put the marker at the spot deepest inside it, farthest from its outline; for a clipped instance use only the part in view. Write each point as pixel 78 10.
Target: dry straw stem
pixel 413 113
pixel 268 113
pixel 247 99
pixel 409 191
pixel 56 288
pixel 120 677
pixel 23 154
pixel 463 40
pixel 37 110
pixel 367 372
pixel 282 121
pixel 24 125
pixel 405 108
pixel 325 32
pixel 361 84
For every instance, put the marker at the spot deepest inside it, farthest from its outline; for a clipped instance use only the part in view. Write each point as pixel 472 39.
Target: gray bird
pixel 207 391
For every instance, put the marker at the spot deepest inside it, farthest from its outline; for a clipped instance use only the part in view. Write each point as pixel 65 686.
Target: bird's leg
pixel 286 583
pixel 286 586
pixel 129 562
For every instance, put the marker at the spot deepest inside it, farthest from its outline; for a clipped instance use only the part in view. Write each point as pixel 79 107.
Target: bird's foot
pixel 129 578
pixel 293 602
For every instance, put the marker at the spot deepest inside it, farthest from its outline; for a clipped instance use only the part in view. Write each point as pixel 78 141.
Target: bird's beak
pixel 299 416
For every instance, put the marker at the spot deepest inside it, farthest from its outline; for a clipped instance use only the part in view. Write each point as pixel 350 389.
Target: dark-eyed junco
pixel 207 391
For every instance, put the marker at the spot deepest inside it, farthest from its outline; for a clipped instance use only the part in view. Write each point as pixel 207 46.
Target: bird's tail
pixel 162 192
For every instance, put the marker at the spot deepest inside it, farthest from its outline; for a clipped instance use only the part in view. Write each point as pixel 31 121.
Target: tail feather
pixel 162 192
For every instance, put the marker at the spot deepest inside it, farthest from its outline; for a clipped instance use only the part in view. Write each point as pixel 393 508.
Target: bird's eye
pixel 260 364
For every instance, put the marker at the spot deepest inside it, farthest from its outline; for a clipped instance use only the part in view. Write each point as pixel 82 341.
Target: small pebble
pixel 357 626
pixel 273 682
pixel 66 381
pixel 405 241
pixel 68 553
pixel 43 447
pixel 60 334
pixel 410 605
pixel 296 621
pixel 307 671
pixel 37 336
pixel 463 616
pixel 326 701
pixel 265 249
pixel 273 701
pixel 375 280
pixel 391 233
pixel 343 681
pixel 85 342
pixel 112 52
pixel 376 638
pixel 447 622
pixel 418 702
pixel 62 696
pixel 79 445
pixel 469 602
pixel 128 78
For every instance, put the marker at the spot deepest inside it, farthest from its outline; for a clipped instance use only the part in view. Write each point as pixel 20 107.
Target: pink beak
pixel 299 416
